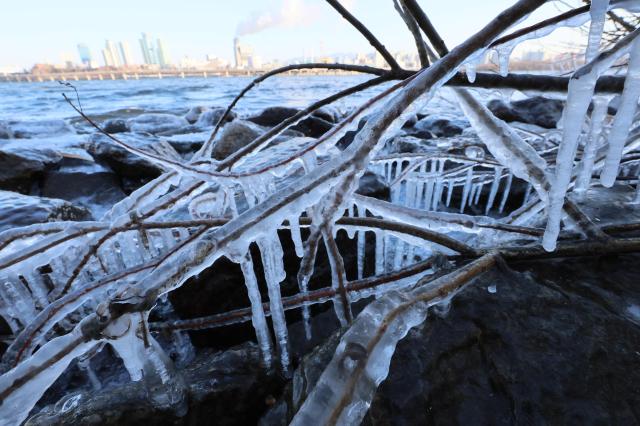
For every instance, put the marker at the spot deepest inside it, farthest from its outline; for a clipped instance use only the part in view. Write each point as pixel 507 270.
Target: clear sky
pixel 48 31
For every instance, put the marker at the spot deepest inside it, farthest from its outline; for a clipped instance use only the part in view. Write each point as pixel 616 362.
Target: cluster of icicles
pixel 68 276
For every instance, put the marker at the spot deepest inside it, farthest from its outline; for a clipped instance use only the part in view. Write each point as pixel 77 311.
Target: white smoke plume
pixel 292 13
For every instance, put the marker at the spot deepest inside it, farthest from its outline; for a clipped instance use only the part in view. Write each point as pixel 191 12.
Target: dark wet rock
pixel 546 342
pixel 349 136
pixel 115 125
pixel 121 161
pixel 210 117
pixel 225 388
pixel 273 116
pixel 186 145
pixel 92 186
pixel 441 127
pixel 234 136
pixel 21 168
pixel 21 210
pixel 156 123
pixel 327 114
pixel 373 185
pixel 313 127
pixel 538 110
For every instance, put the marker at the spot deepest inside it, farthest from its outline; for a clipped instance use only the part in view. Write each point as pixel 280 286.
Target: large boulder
pixel 273 116
pixel 538 110
pixel 234 136
pixel 89 185
pixel 39 128
pixel 21 168
pixel 156 123
pixel 313 127
pixel 373 185
pixel 22 210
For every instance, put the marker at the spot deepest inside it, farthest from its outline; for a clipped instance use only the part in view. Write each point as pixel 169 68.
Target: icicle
pixel 478 193
pixel 380 237
pixel 294 226
pixel 581 88
pixel 497 174
pixel 470 69
pixel 449 191
pixel 591 146
pixel 598 12
pixel 527 194
pixel 505 193
pixel 504 52
pixel 361 253
pixel 398 254
pixel 257 313
pixel 272 257
pixel 466 189
pixel 624 117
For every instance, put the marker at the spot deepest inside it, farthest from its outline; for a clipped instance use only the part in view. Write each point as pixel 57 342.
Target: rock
pixel 156 123
pixel 90 185
pixel 115 125
pixel 408 144
pixel 313 127
pixel 5 131
pixel 234 136
pixel 21 210
pixel 349 136
pixel 441 127
pixel 273 116
pixel 39 128
pixel 121 161
pixel 21 168
pixel 538 110
pixel 327 114
pixel 374 186
pixel 210 117
pixel 192 115
pixel 226 387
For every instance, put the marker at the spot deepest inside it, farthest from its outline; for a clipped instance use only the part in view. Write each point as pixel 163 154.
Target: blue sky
pixel 45 31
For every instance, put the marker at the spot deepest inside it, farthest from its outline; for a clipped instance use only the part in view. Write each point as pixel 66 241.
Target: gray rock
pixel 115 125
pixel 313 127
pixel 192 115
pixel 234 136
pixel 156 123
pixel 21 168
pixel 210 117
pixel 538 110
pixel 410 144
pixel 121 161
pixel 441 127
pixel 21 210
pixel 39 128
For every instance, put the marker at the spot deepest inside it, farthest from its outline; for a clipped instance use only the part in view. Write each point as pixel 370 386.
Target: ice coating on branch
pixel 581 89
pixel 598 11
pixel 624 117
pixel 16 406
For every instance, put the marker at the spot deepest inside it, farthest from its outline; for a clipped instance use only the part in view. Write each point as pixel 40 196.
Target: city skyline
pixel 277 29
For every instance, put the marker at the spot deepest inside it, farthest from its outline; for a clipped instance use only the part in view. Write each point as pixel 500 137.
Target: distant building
pixel 85 55
pixel 125 54
pixel 533 56
pixel 243 54
pixel 113 53
pixel 148 54
pixel 163 57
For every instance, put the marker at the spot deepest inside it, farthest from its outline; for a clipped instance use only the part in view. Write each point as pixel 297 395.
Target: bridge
pixel 82 75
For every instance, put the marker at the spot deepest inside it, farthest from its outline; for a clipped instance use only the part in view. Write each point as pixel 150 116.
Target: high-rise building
pixel 147 50
pixel 85 54
pixel 161 52
pixel 125 54
pixel 113 52
pixel 108 58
